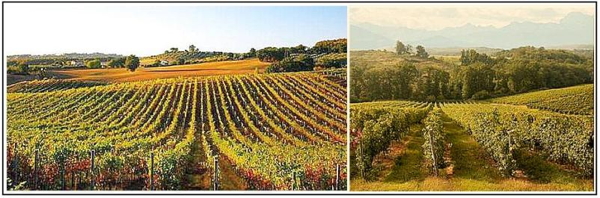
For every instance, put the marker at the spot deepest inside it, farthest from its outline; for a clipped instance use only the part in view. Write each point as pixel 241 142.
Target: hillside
pixel 384 75
pixel 179 133
pixel 388 58
pixel 571 100
pixel 203 69
pixel 394 145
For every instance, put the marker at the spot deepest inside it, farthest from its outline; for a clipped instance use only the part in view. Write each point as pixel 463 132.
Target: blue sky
pixel 148 29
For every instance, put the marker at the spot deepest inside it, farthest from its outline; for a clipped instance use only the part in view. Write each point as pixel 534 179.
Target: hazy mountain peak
pixel 577 17
pixel 574 29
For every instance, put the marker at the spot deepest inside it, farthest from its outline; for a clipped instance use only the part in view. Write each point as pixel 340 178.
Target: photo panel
pixel 109 97
pixel 484 97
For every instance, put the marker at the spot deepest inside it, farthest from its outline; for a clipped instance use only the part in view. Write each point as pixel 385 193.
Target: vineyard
pixel 467 145
pixel 267 132
pixel 571 100
pixel 49 85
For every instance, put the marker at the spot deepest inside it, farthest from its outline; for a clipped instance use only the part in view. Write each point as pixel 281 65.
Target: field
pixel 570 100
pixel 495 145
pixel 389 58
pixel 204 69
pixel 228 132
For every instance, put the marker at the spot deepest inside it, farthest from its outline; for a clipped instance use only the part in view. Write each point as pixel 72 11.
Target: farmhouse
pixel 76 63
pixel 164 62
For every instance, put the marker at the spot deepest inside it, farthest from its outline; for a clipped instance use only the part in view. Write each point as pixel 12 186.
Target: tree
pixel 116 63
pixel 289 64
pixel 332 60
pixel 132 62
pixel 174 50
pixel 180 61
pixel 156 63
pixel 330 46
pixel 471 56
pixel 306 60
pixel 20 69
pixel 192 49
pixel 421 52
pixel 299 49
pixel 93 64
pixel 409 49
pixel 271 54
pixel 252 53
pixel 400 48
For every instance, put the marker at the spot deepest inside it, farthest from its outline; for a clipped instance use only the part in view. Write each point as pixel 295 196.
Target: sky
pixel 149 29
pixel 440 16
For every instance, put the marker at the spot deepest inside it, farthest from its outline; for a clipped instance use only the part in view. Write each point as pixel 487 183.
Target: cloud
pixel 438 16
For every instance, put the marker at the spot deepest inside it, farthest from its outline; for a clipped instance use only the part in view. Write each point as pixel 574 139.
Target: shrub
pixel 481 95
pixel 20 69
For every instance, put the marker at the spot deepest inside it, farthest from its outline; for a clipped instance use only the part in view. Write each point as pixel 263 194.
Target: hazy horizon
pixel 433 17
pixel 150 29
pixel 499 25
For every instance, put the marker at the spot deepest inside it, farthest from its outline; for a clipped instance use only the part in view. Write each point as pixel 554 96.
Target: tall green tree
pixel 132 63
pixel 116 63
pixel 421 52
pixel 192 49
pixel 409 49
pixel 93 64
pixel 400 48
pixel 252 53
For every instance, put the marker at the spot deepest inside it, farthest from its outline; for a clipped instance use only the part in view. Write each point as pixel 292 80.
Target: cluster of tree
pixel 328 53
pixel 55 60
pixel 402 49
pixel 69 56
pixel 478 77
pixel 332 60
pixel 192 55
pixel 301 62
pixel 19 69
pixel 271 54
pixel 93 64
pixel 330 46
pixel 132 63
pixel 117 63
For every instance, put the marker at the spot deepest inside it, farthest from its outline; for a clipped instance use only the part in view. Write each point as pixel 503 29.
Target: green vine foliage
pixel 435 141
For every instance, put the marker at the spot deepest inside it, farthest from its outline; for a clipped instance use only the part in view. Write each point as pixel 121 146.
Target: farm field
pixel 494 145
pixel 224 132
pixel 570 100
pixel 204 69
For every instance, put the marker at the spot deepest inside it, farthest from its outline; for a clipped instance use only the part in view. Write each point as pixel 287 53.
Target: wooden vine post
pixel 435 171
pixel 337 177
pixel 216 174
pixel 35 168
pixel 16 168
pixel 92 174
pixel 152 171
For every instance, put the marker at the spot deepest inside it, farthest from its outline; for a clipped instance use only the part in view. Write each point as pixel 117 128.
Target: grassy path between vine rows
pixel 229 180
pixel 200 178
pixel 472 169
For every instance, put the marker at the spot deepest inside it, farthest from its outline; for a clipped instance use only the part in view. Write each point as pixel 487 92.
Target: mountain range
pixel 574 29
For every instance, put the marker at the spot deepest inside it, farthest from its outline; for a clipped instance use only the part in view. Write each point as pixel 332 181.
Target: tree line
pixel 324 54
pixel 193 55
pixel 478 76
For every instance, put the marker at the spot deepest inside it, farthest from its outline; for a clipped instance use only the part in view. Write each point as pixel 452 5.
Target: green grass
pixel 541 171
pixel 470 160
pixel 408 166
